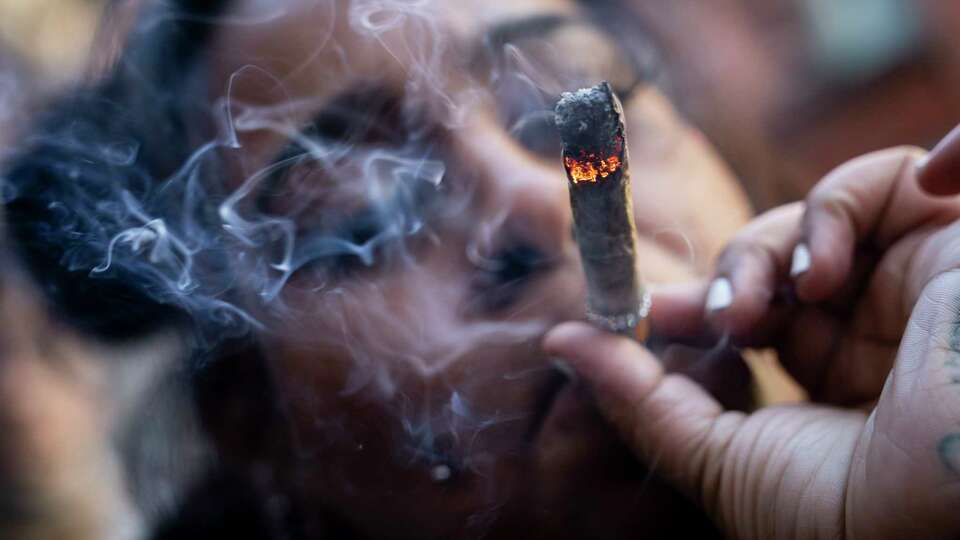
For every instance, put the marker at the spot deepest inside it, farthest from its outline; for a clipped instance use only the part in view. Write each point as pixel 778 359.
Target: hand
pixel 58 472
pixel 829 283
pixel 877 251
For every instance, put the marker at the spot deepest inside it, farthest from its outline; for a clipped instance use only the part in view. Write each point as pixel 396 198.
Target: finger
pixel 844 359
pixel 720 370
pixel 831 369
pixel 749 269
pixel 940 174
pixel 676 310
pixel 667 419
pixel 874 199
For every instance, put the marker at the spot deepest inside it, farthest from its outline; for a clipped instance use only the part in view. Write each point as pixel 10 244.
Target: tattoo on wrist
pixel 949 451
pixel 952 363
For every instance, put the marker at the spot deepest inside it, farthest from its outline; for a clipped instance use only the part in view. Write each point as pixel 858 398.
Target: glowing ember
pixel 590 167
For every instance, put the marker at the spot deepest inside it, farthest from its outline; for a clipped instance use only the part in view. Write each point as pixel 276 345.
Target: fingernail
pixel 938 174
pixel 947 142
pixel 720 295
pixel 921 162
pixel 801 260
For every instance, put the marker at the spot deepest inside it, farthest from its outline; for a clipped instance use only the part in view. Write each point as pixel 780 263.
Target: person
pixel 344 228
pixel 858 289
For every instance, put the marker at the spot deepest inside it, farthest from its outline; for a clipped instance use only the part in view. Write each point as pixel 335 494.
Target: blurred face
pixel 401 159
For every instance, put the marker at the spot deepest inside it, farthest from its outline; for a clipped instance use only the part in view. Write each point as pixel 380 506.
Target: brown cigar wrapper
pixel 605 229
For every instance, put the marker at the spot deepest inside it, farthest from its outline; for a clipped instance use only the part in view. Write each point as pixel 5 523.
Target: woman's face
pixel 406 150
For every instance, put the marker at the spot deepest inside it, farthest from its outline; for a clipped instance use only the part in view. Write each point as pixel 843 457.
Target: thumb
pixel 667 419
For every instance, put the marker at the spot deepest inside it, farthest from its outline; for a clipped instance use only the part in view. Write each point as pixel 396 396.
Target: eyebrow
pixel 503 32
pixel 488 49
pixel 508 31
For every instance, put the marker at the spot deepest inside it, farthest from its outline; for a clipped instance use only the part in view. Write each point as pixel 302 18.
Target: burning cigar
pixel 591 126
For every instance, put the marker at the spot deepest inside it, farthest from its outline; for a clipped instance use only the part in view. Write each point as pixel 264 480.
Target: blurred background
pixel 786 89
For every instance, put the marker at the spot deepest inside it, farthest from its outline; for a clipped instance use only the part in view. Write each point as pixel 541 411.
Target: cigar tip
pixel 589 119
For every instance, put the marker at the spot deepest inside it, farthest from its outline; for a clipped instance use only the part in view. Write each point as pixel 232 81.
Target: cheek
pixel 407 336
pixel 399 397
pixel 394 320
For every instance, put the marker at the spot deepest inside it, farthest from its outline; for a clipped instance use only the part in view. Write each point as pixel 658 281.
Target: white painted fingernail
pixel 801 260
pixel 720 295
pixel 922 161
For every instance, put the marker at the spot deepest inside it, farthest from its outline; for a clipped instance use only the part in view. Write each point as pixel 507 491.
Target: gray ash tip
pixel 588 119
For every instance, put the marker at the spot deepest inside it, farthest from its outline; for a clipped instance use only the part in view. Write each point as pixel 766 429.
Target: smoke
pixel 123 209
pixel 124 206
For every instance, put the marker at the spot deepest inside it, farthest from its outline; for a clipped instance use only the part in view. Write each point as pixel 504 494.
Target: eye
pixel 527 113
pixel 533 63
pixel 365 240
pixel 537 132
pixel 364 233
pixel 368 114
pixel 350 211
pixel 501 279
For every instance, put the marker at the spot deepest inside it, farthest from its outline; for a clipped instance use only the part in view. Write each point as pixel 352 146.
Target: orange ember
pixel 590 168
